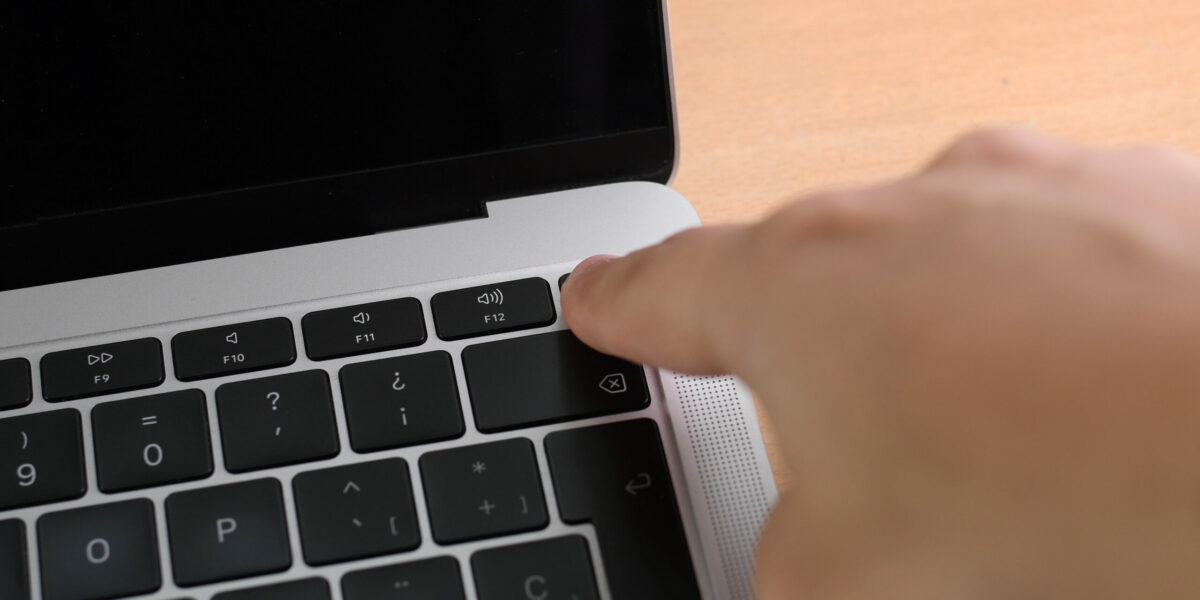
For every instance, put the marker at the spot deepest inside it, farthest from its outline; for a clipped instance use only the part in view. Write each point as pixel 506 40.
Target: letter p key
pixel 225 526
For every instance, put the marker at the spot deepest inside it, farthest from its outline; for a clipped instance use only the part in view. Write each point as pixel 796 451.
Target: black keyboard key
pixel 401 401
pixel 615 477
pixel 554 568
pixel 151 440
pixel 305 589
pixel 230 349
pixel 493 308
pixel 42 458
pixel 226 532
pixel 547 378
pixel 104 551
pixel 14 561
pixel 277 420
pixel 16 389
pixel 103 369
pixel 363 328
pixel 356 511
pixel 482 491
pixel 430 579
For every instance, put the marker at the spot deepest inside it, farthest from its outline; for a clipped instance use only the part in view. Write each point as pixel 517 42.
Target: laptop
pixel 280 311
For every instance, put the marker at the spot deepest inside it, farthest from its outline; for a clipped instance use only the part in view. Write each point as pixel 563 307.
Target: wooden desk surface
pixel 781 97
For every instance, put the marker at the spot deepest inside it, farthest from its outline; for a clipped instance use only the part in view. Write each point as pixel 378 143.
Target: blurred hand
pixel 985 377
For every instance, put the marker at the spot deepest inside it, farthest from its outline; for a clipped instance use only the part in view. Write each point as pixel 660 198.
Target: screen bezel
pixel 347 205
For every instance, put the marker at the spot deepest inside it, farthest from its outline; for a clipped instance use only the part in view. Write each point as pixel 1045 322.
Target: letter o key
pixel 98 551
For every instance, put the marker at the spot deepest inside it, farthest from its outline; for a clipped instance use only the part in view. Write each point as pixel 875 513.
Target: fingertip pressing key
pixel 584 266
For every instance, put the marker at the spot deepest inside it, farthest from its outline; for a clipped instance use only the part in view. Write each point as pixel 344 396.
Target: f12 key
pixel 494 308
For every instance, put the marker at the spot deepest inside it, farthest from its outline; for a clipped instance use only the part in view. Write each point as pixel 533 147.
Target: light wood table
pixel 781 97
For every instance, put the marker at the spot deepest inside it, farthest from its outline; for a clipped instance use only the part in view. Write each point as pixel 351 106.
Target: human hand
pixel 986 376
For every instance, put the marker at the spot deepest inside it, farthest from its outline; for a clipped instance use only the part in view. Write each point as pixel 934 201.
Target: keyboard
pixel 419 444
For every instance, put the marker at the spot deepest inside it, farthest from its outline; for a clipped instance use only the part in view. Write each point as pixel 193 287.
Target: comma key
pixel 277 420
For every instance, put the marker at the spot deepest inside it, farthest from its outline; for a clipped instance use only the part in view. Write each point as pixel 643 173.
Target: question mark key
pixel 299 426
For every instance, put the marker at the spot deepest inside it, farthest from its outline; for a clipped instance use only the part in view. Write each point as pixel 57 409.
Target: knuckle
pixel 988 143
pixel 826 215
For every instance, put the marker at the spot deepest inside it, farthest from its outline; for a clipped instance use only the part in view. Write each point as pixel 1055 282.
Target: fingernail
pixel 587 264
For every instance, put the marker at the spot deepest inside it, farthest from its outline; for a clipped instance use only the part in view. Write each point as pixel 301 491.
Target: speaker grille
pixel 724 440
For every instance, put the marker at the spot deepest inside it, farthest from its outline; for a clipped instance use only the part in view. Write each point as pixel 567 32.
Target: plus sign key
pixel 482 491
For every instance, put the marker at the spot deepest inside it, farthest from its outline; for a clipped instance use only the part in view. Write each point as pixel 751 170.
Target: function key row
pixel 269 343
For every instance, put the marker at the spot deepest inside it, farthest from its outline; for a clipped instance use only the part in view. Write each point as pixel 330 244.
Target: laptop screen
pixel 152 133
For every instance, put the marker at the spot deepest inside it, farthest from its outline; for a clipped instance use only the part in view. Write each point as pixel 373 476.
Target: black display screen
pixel 148 115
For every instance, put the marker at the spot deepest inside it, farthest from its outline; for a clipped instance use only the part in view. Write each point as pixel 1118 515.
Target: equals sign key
pixel 149 420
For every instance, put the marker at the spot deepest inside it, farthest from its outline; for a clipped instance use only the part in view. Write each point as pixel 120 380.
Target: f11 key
pixel 363 328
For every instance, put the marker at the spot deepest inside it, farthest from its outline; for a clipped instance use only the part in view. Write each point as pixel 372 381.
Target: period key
pixel 363 328
pixel 493 308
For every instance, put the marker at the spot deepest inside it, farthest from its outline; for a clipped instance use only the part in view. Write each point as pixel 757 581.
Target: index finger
pixel 672 305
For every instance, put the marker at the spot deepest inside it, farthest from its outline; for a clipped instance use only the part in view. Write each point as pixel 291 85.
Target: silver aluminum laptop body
pixel 713 444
